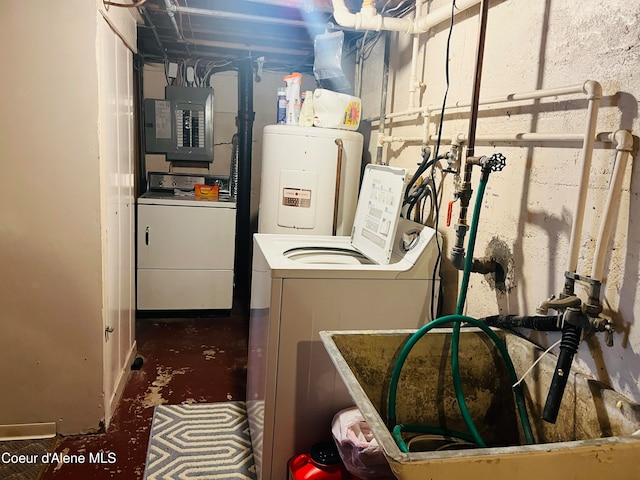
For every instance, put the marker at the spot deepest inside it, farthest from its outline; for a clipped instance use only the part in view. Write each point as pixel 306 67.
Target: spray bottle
pixel 293 82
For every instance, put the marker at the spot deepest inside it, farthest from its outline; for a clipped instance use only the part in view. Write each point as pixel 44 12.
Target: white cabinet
pixel 185 254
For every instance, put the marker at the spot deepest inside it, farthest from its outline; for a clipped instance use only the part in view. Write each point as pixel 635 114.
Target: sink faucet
pixel 557 304
pixel 576 316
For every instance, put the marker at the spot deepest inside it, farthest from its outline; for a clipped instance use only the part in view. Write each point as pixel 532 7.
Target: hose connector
pixel 458 252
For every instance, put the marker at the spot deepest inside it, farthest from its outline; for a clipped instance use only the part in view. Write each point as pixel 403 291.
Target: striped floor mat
pixel 200 440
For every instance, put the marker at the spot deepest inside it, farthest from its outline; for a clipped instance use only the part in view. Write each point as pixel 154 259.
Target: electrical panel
pixel 181 125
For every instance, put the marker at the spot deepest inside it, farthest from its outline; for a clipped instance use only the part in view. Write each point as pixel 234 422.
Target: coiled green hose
pixel 457 320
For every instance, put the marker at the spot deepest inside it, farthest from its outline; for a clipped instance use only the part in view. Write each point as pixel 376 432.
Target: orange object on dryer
pixel 209 191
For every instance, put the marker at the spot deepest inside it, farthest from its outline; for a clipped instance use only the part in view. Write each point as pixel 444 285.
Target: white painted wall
pixel 52 220
pixel 529 205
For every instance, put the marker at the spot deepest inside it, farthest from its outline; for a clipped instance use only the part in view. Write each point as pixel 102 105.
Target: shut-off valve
pixel 494 163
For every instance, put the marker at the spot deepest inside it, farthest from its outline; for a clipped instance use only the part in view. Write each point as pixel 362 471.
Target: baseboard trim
pixel 27 431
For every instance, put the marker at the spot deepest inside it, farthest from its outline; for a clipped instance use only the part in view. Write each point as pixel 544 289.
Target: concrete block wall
pixel 528 208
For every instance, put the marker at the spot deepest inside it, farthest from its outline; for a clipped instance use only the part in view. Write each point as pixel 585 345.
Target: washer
pixel 303 284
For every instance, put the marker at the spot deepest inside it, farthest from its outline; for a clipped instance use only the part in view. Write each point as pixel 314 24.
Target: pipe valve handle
pixel 497 162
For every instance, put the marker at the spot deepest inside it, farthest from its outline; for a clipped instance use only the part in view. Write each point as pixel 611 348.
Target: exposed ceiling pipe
pixel 170 6
pixel 368 18
pixel 150 25
pixel 307 5
pixel 425 22
pixel 243 17
pixel 249 47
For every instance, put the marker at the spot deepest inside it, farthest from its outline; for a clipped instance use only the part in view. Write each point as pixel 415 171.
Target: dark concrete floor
pixel 186 360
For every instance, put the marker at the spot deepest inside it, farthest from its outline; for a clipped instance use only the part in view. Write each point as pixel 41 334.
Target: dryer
pixel 303 284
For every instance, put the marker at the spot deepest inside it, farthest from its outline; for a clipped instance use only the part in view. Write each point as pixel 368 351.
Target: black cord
pixel 422 167
pixel 437 204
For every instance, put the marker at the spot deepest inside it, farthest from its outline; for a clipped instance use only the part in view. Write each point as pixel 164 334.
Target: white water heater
pixel 310 180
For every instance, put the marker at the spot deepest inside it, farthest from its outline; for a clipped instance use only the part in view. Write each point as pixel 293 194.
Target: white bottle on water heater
pixel 306 112
pixel 336 110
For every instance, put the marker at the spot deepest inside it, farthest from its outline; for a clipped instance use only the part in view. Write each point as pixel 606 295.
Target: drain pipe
pixel 246 116
pixel 368 18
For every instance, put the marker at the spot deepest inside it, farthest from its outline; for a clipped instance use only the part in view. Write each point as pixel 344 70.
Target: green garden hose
pixel 457 320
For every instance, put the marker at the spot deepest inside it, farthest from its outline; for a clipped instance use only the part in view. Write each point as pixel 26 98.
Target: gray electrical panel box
pixel 181 125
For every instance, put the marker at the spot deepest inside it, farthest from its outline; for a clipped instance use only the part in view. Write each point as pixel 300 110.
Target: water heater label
pixel 296 197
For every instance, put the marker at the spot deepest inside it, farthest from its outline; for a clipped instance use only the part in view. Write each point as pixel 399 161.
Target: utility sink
pixel 592 438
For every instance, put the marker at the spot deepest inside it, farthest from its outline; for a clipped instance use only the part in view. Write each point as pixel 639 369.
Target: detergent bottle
pixel 321 463
pixel 335 110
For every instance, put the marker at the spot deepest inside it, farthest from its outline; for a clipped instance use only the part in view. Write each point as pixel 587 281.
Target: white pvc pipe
pixel 413 80
pixel 512 137
pixel 392 138
pixel 532 95
pixel 430 20
pixel 511 97
pixel 624 144
pixel 366 19
pixel 527 137
pixel 594 94
pixel 169 6
pixel 369 19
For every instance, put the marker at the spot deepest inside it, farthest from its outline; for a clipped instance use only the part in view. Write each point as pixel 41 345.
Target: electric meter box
pixel 181 125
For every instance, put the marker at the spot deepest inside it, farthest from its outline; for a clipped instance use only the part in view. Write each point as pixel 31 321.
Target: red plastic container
pixel 321 463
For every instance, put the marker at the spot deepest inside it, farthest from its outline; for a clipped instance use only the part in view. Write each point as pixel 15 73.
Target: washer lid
pixel 378 212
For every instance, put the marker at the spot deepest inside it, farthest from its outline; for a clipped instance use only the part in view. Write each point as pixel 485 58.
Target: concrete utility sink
pixel 592 438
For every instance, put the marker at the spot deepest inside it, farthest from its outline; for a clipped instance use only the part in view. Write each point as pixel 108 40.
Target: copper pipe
pixel 475 101
pixel 336 199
